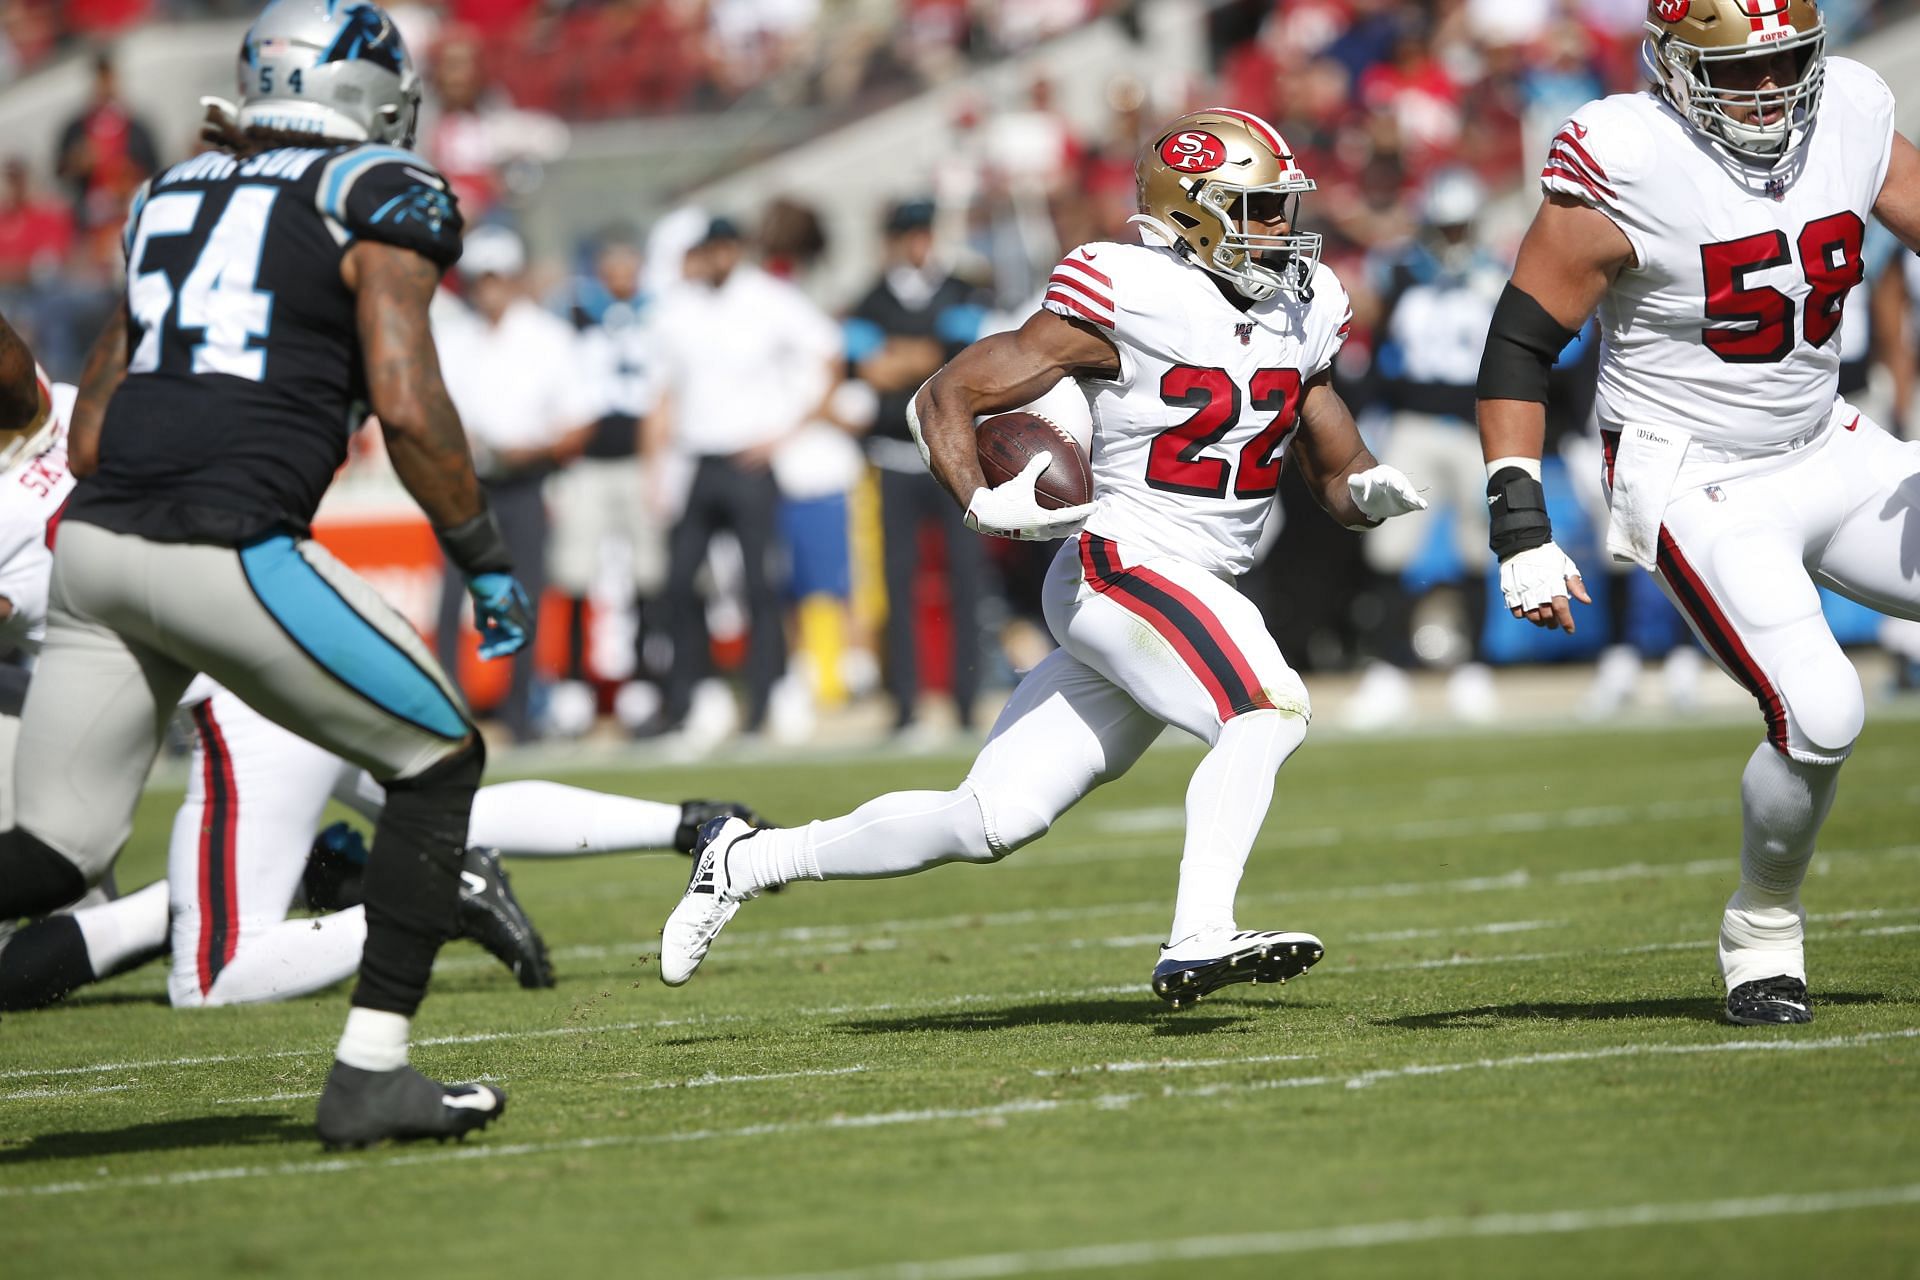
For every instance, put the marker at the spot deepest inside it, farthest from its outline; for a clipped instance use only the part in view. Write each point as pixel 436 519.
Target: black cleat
pixel 336 869
pixel 695 814
pixel 1767 1002
pixel 1203 964
pixel 359 1108
pixel 494 918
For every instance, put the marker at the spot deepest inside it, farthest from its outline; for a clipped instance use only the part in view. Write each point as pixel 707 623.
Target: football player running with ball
pixel 276 286
pixel 1205 356
pixel 1716 223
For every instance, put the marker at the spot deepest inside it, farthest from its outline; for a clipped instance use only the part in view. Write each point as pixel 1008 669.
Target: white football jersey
pixel 1728 325
pixel 32 492
pixel 1188 440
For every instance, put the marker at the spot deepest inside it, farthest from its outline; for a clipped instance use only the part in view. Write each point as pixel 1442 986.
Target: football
pixel 1007 441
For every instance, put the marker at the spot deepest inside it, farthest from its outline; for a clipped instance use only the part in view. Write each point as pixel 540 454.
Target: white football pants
pixel 1143 644
pixel 256 793
pixel 1743 544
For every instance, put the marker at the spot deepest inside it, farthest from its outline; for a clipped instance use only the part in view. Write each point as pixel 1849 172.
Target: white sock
pixel 1226 803
pixel 549 819
pixel 1783 804
pixel 116 932
pixel 374 1040
pixel 894 835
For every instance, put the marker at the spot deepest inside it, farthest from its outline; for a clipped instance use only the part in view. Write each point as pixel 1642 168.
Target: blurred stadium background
pixel 608 137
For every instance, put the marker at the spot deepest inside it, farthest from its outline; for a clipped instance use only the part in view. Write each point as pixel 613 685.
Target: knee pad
pixel 1825 707
pixel 1006 822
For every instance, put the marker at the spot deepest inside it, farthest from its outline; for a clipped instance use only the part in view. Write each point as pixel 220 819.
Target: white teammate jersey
pixel 1727 326
pixel 1188 440
pixel 32 492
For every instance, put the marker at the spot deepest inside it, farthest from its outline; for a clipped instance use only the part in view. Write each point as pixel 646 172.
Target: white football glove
pixel 1012 510
pixel 1532 578
pixel 1382 493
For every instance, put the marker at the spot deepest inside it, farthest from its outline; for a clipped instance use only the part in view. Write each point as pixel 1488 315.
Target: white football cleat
pixel 709 902
pixel 1204 962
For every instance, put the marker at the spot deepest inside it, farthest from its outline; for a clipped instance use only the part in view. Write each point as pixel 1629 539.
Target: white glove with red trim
pixel 1013 510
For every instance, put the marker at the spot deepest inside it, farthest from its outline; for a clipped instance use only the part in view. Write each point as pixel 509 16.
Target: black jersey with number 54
pixel 244 375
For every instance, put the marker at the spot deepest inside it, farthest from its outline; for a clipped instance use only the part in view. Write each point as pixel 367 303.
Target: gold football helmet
pixel 1201 177
pixel 1691 43
pixel 28 440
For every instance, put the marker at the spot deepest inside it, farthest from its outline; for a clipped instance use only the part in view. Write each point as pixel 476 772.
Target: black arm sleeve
pixel 1522 344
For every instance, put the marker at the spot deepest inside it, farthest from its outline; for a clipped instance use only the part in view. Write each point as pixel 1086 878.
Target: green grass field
pixel 1510 1062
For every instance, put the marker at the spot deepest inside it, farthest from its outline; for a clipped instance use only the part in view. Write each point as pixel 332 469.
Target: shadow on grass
pixel 161 1135
pixel 1160 1021
pixel 1686 1008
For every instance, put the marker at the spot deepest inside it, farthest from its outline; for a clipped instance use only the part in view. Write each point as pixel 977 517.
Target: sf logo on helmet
pixel 1193 151
pixel 1671 10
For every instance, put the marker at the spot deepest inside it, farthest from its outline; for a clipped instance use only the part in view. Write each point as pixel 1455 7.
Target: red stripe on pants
pixel 219 895
pixel 1706 614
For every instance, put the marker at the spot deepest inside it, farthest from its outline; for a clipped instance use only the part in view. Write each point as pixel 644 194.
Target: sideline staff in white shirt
pixel 735 346
pixel 511 369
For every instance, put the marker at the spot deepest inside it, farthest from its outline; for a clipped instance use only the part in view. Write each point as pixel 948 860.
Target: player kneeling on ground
pixel 1205 356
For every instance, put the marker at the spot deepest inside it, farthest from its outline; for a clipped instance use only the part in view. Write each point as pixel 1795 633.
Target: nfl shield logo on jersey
pixel 1244 332
pixel 1776 186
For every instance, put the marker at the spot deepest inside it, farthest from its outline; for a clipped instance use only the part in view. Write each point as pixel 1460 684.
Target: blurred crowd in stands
pixel 692 523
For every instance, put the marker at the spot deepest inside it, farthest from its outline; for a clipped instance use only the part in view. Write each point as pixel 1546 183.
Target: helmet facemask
pixel 1205 179
pixel 1760 125
pixel 1256 264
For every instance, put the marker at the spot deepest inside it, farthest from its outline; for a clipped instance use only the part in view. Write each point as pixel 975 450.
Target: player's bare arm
pixel 393 288
pixel 1898 207
pixel 998 373
pixel 1329 450
pixel 106 366
pixel 1570 255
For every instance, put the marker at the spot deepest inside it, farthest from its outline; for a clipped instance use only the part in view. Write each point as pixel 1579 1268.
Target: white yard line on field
pixel 886 1119
pixel 1369 1235
pixel 1170 1064
pixel 941 1002
pixel 1516 878
pixel 709 1080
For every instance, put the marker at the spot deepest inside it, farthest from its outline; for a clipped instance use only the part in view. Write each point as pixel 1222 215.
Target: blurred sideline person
pixel 735 346
pixel 1437 297
pixel 606 529
pixel 1205 355
pixel 1718 225
pixel 272 283
pixel 917 316
pixel 512 368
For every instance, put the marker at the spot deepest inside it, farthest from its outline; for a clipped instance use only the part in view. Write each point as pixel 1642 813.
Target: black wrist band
pixel 1516 513
pixel 476 546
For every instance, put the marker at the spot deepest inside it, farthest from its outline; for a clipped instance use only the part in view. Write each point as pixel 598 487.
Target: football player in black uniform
pixel 277 286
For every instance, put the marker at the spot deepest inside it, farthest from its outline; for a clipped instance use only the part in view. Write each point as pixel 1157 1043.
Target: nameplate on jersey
pixel 1644 468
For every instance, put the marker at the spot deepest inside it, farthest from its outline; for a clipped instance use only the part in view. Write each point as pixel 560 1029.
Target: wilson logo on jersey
pixel 1569 159
pixel 1193 151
